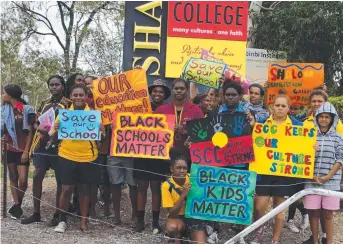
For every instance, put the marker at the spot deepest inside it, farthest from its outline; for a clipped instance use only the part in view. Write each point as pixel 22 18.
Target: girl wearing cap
pixel 159 92
pixel 17 119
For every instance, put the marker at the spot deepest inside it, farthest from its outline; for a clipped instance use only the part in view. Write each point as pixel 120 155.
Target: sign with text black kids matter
pixel 143 135
pixel 220 194
pixel 221 140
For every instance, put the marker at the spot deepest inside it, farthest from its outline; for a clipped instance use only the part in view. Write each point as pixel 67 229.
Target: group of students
pixel 82 166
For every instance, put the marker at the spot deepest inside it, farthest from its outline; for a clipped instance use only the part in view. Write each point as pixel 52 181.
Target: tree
pixel 307 31
pixel 75 19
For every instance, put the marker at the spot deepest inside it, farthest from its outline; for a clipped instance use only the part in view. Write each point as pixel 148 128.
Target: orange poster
pixel 126 92
pixel 297 80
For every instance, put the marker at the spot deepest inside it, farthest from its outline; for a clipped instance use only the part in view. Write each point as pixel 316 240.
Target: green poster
pixel 204 72
pixel 221 194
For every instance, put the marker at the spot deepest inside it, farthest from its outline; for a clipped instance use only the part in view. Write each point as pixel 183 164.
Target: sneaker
pixel 61 227
pixel 34 218
pixel 242 241
pixel 213 238
pixel 258 237
pixel 309 240
pixel 140 226
pixel 54 220
pixel 324 240
pixel 16 212
pixel 305 222
pixel 291 226
pixel 11 209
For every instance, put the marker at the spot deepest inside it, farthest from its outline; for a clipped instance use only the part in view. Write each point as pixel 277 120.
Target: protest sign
pixel 221 141
pixel 204 72
pixel 79 125
pixel 47 120
pixel 296 80
pixel 126 92
pixel 284 150
pixel 205 19
pixel 143 135
pixel 220 194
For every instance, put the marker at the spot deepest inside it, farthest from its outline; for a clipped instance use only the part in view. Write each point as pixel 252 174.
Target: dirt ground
pixel 104 232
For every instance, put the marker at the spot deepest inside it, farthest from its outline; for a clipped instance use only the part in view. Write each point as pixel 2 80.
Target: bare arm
pixel 173 212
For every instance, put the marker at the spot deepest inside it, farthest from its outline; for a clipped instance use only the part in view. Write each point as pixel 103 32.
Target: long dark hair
pixel 15 92
pixel 62 81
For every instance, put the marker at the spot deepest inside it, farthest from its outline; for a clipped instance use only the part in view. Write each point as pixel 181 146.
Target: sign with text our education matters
pixel 143 135
pixel 204 72
pixel 79 125
pixel 284 150
pixel 126 92
pixel 297 80
pixel 221 141
pixel 205 19
pixel 220 194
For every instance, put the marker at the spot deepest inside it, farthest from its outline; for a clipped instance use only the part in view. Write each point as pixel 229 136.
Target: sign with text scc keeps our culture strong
pixel 79 125
pixel 284 150
pixel 220 194
pixel 143 135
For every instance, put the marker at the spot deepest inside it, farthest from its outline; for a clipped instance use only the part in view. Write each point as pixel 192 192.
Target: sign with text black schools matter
pixel 143 135
pixel 220 194
pixel 222 140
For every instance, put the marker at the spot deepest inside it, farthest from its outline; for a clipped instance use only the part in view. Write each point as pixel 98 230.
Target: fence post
pixel 4 185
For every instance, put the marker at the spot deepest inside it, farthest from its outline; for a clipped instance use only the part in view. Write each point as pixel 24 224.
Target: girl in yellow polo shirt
pixel 174 194
pixel 74 164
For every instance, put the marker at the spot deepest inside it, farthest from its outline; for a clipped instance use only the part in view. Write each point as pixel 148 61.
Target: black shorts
pixel 277 186
pixel 193 224
pixel 15 158
pixel 45 161
pixel 150 169
pixel 72 172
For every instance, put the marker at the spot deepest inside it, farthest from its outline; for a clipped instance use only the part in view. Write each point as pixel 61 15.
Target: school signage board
pixel 142 135
pixel 296 80
pixel 221 194
pixel 79 125
pixel 284 150
pixel 221 141
pixel 204 72
pixel 206 19
pixel 126 92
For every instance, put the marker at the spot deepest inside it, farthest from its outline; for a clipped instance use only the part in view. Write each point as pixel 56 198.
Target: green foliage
pixel 338 104
pixel 307 31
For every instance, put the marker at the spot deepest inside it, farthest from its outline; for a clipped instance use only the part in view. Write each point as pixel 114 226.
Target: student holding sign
pixel 328 161
pixel 75 164
pixel 267 183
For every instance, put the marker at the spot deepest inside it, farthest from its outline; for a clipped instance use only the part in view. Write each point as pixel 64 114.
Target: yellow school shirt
pixel 169 198
pixel 270 120
pixel 310 122
pixel 77 150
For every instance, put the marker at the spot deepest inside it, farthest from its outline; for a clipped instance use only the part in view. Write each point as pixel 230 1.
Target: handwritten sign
pixel 79 125
pixel 297 80
pixel 221 141
pixel 126 92
pixel 204 72
pixel 143 135
pixel 220 194
pixel 284 150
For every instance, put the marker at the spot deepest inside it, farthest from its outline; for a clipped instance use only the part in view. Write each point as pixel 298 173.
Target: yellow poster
pixel 180 49
pixel 284 150
pixel 126 92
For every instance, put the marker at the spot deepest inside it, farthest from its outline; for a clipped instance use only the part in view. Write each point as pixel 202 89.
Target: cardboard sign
pixel 79 125
pixel 143 135
pixel 204 72
pixel 220 194
pixel 296 80
pixel 221 141
pixel 126 92
pixel 284 150
pixel 206 19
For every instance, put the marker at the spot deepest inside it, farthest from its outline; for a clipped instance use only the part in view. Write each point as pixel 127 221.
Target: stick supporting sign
pixel 79 125
pixel 220 194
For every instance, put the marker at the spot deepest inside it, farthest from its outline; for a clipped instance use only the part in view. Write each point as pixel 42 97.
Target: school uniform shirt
pixel 310 121
pixel 170 195
pixel 78 150
pixel 330 152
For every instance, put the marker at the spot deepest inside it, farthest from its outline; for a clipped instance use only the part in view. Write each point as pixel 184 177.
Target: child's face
pixel 324 120
pixel 179 168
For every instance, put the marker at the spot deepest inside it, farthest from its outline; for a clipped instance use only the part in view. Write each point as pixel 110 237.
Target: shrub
pixel 337 102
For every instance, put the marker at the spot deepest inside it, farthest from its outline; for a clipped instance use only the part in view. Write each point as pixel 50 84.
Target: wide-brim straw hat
pixel 163 84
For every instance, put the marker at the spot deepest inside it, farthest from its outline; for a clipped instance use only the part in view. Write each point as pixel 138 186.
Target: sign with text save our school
pixel 143 135
pixel 126 92
pixel 79 125
pixel 297 80
pixel 284 150
pixel 220 194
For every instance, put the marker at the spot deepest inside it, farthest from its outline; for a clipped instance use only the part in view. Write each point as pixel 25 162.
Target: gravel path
pixel 13 232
